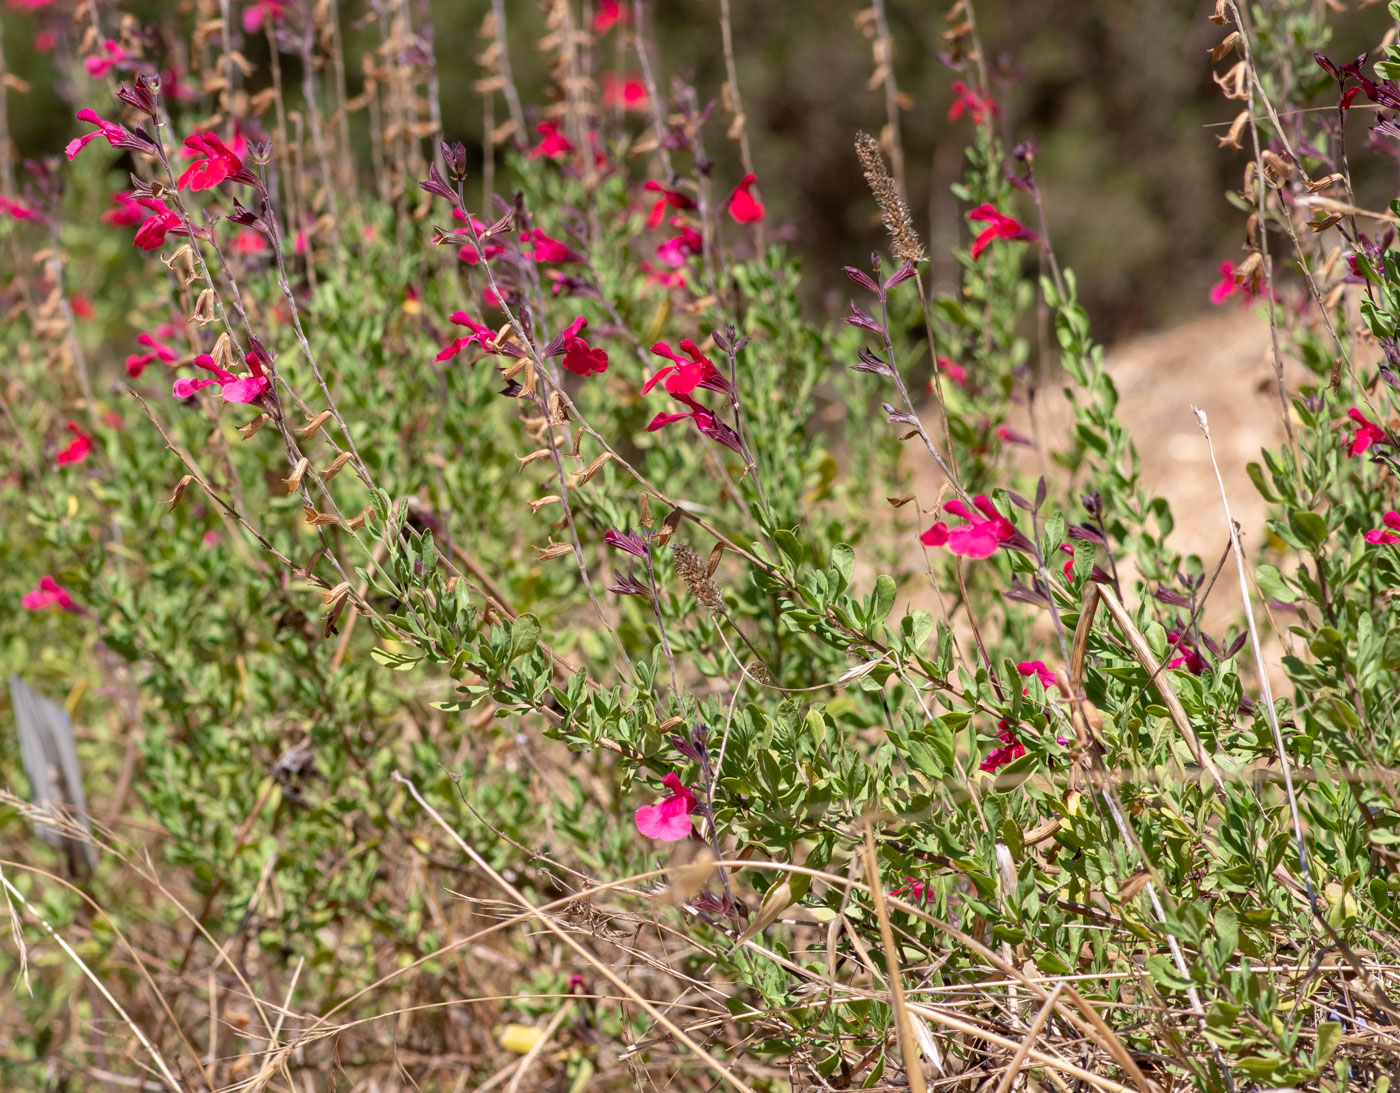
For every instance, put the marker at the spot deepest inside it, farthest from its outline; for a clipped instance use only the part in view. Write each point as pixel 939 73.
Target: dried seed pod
pixel 692 572
pixel 899 222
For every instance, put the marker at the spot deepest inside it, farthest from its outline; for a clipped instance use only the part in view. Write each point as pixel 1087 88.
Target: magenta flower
pixel 213 164
pixel 109 129
pixel 1186 654
pixel 1226 287
pixel 1037 668
pixel 743 206
pixel 950 370
pixel 484 336
pixel 979 537
pixel 233 388
pixel 1011 436
pixel 1367 432
pixel 608 14
pixel 686 373
pixel 966 99
pixel 678 248
pixel 669 199
pixel 49 594
pixel 77 449
pixel 1388 534
pixel 14 210
pixel 669 820
pixel 553 143
pixel 259 13
pixel 999 226
pixel 112 55
pixel 156 351
pixel 128 211
pixel 629 94
pixel 916 890
pixel 1011 749
pixel 152 232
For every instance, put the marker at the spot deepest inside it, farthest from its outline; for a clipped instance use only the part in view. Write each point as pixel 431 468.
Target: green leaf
pixel 883 599
pixel 843 562
pixel 1329 1033
pixel 1272 584
pixel 524 636
pixel 1164 973
pixel 399 662
pixel 1308 526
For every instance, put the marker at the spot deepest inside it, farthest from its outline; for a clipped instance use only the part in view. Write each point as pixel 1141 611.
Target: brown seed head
pixel 692 572
pixel 899 222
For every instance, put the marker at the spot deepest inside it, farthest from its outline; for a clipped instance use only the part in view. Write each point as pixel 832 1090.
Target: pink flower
pixel 262 12
pixel 248 242
pixel 553 143
pixel 14 210
pixel 979 537
pixel 111 130
pixel 625 94
pixel 999 226
pixel 45 40
pixel 677 249
pixel 1388 534
pixel 1367 432
pixel 244 389
pixel 685 373
pixel 671 278
pixel 916 890
pixel 542 248
pixel 77 449
pixel 27 5
pixel 82 307
pixel 978 106
pixel 1226 287
pixel 151 234
pixel 669 198
pixel 484 336
pixel 213 164
pixel 49 594
pixel 1037 668
pixel 743 206
pixel 98 67
pixel 950 370
pixel 127 211
pixel 578 357
pixel 1011 436
pixel 608 15
pixel 669 820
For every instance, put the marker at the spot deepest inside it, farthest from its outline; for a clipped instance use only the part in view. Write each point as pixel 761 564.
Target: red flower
pixel 950 370
pixel 1367 432
pixel 1011 436
pixel 673 198
pixel 608 15
pixel 249 241
pixel 127 212
pixel 669 820
pixel 469 254
pixel 77 449
pixel 979 107
pixel 542 248
pixel 49 594
pixel 979 537
pixel 1186 654
pixel 233 388
pixel 705 421
pixel 484 336
pixel 111 130
pixel 999 226
pixel 743 206
pixel 917 890
pixel 151 234
pixel 1011 749
pixel 686 373
pixel 1391 520
pixel 674 278
pixel 626 94
pixel 553 143
pixel 100 66
pixel 578 357
pixel 82 307
pixel 213 164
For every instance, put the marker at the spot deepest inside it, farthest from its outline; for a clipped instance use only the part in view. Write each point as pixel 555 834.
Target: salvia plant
pixel 517 641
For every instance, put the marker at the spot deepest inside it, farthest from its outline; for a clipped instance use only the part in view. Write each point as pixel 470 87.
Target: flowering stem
pixel 661 623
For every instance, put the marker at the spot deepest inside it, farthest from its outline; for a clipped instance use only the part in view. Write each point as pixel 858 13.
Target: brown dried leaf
pixel 1219 18
pixel 900 502
pixel 552 550
pixel 179 490
pixel 646 519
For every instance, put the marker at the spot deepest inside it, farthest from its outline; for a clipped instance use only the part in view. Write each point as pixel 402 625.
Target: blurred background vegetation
pixel 1117 94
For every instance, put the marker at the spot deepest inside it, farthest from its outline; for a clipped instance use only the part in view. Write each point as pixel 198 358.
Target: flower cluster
pixel 689 371
pixel 243 389
pixel 980 536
